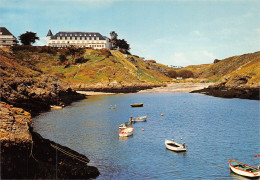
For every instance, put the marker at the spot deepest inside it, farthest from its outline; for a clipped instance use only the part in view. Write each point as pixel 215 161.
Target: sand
pixel 174 87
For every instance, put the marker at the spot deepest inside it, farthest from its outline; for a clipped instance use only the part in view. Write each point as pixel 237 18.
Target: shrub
pixel 24 48
pixel 62 58
pixel 48 49
pixel 106 52
pixel 151 61
pixel 185 74
pixel 172 74
pixel 81 60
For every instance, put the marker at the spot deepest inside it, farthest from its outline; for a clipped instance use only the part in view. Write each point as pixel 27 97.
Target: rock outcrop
pixel 26 155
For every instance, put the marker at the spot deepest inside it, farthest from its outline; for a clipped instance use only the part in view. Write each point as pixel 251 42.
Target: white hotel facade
pixel 80 39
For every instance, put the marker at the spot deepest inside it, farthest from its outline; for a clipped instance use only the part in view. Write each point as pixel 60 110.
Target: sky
pixel 172 32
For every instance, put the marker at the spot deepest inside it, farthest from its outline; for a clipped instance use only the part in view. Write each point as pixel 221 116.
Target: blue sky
pixel 172 32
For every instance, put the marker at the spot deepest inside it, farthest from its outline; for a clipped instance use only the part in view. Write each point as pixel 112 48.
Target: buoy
pixel 255 155
pixel 258 155
pixel 142 129
pixel 161 114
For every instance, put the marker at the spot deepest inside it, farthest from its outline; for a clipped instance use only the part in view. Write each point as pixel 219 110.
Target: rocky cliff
pixel 239 77
pixel 25 86
pixel 26 155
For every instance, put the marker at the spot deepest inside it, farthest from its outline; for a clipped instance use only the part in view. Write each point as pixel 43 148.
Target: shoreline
pixel 172 87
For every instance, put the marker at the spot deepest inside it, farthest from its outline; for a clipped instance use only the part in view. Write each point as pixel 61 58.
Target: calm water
pixel 215 130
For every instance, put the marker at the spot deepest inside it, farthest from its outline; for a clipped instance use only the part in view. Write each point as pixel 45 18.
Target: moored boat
pixel 137 105
pixel 138 119
pixel 126 132
pixel 244 169
pixel 174 146
pixel 125 125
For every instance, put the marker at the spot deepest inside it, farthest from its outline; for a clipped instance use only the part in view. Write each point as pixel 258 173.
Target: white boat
pixel 174 146
pixel 244 169
pixel 126 132
pixel 138 119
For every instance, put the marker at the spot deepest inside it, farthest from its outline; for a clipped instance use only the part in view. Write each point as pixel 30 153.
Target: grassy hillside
pixel 236 71
pixel 99 68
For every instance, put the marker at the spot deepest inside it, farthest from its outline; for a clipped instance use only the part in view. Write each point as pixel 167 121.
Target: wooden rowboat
pixel 126 132
pixel 244 169
pixel 174 146
pixel 137 105
pixel 138 119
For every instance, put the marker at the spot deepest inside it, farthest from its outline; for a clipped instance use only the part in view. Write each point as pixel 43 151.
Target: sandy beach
pixel 178 87
pixel 174 87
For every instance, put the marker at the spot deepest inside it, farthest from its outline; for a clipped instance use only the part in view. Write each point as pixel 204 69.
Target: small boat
pixel 244 169
pixel 138 119
pixel 125 125
pixel 137 105
pixel 126 132
pixel 54 107
pixel 171 145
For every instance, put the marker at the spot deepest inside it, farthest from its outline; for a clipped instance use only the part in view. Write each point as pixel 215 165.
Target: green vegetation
pixel 94 67
pixel 107 68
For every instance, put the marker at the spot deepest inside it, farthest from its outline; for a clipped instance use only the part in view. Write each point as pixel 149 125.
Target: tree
pixel 113 39
pixel 121 43
pixel 28 38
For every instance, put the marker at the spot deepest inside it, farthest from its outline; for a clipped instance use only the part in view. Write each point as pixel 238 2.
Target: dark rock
pixel 26 155
pixel 243 93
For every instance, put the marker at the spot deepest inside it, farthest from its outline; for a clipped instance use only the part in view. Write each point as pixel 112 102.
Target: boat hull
pixel 244 172
pixel 173 146
pixel 139 119
pixel 126 132
pixel 137 105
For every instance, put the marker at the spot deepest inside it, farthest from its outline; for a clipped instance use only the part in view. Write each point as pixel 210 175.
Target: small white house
pixel 6 38
pixel 80 39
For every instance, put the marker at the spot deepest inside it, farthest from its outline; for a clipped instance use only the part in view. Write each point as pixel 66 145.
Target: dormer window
pixel 65 34
pixel 70 34
pixel 76 35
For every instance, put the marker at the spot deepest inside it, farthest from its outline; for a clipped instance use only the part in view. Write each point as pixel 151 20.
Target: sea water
pixel 214 129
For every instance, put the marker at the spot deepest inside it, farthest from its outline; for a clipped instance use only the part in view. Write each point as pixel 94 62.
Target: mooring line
pixel 70 154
